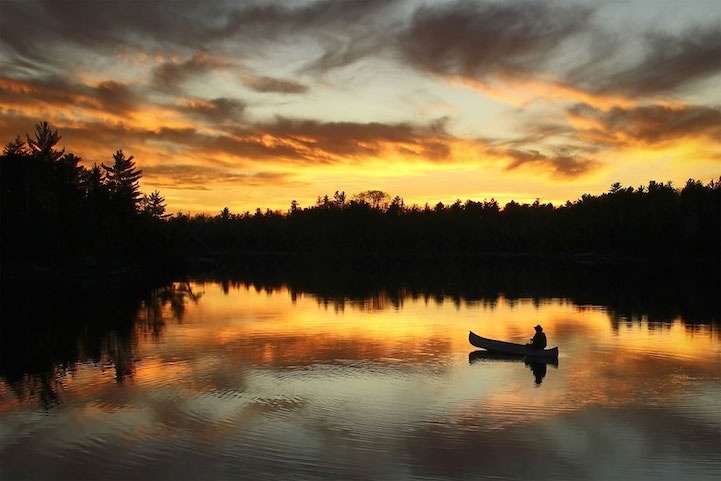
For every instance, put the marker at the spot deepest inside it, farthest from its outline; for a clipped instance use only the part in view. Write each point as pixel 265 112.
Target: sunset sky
pixel 250 104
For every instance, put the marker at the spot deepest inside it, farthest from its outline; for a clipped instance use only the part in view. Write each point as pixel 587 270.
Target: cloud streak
pixel 651 125
pixel 558 166
pixel 481 40
pixel 172 74
pixel 266 84
pixel 668 63
pixel 217 111
pixel 189 177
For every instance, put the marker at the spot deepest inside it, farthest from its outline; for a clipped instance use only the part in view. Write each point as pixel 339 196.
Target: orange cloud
pixel 650 125
pixel 521 92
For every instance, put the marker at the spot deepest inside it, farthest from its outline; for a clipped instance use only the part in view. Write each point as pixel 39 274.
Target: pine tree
pixel 43 145
pixel 15 148
pixel 154 205
pixel 122 179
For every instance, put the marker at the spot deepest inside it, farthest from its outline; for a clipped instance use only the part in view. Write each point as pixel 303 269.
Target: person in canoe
pixel 538 341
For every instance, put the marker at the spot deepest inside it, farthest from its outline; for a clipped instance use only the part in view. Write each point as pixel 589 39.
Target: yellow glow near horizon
pixel 245 312
pixel 251 327
pixel 206 181
pixel 205 178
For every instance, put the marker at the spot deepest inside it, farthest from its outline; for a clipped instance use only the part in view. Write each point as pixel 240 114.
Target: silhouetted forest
pixel 654 221
pixel 57 212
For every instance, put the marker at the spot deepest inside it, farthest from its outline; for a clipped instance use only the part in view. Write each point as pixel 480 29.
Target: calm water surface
pixel 233 382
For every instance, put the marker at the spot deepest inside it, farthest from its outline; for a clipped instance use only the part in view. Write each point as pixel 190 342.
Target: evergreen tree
pixel 154 205
pixel 122 179
pixel 43 145
pixel 16 148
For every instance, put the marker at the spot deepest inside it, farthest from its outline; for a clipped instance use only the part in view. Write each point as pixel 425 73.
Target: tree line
pixel 55 210
pixel 652 221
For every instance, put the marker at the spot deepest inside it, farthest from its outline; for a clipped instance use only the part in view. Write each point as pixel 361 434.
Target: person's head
pixel 538 328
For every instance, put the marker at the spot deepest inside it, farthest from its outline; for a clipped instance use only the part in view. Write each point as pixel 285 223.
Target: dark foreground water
pixel 230 381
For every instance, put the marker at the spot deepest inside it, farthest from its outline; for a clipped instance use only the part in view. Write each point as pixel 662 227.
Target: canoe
pixel 511 348
pixel 482 355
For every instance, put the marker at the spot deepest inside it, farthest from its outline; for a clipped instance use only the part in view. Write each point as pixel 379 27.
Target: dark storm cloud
pixel 480 39
pixel 654 124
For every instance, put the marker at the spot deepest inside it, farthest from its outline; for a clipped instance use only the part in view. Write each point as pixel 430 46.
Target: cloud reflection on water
pixel 252 383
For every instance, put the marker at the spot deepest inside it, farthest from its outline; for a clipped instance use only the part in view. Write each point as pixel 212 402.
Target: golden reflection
pixel 222 331
pixel 296 327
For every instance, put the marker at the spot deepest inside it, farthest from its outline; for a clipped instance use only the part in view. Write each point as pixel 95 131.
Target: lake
pixel 220 379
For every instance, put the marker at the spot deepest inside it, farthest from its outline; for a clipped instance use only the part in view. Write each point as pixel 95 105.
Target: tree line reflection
pixel 659 292
pixel 48 329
